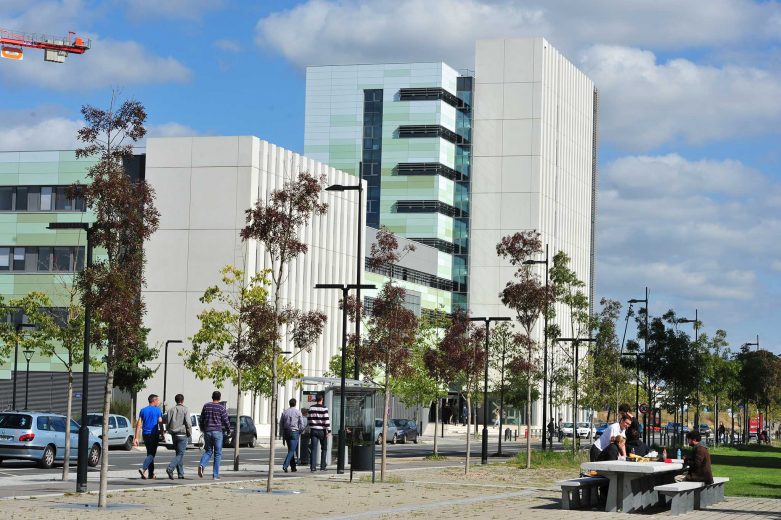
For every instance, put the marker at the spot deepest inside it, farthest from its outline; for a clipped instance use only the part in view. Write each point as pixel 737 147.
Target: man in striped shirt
pixel 215 425
pixel 320 430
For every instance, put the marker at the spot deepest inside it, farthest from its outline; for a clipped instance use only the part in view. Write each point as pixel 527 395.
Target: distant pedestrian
pixel 722 437
pixel 551 432
pixel 292 424
pixel 215 426
pixel 177 422
pixel 149 425
pixel 464 415
pixel 561 430
pixel 320 431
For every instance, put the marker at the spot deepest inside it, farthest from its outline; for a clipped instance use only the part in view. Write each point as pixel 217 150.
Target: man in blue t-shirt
pixel 150 421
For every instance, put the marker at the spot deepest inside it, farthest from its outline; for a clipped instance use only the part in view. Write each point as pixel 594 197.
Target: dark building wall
pixel 49 392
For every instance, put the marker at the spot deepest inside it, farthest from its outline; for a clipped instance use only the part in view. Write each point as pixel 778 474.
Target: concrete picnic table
pixel 631 486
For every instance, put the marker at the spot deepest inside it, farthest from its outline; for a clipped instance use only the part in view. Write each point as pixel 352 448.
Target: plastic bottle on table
pixel 678 454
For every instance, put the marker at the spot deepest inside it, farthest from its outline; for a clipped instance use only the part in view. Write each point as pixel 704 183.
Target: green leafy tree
pixel 125 217
pixel 276 225
pixel 438 367
pixel 504 350
pixel 231 339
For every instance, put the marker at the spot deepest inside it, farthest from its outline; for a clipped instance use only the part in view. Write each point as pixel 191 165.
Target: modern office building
pixel 457 160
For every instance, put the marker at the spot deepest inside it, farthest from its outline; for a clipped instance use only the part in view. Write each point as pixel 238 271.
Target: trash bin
pixel 303 446
pixel 362 457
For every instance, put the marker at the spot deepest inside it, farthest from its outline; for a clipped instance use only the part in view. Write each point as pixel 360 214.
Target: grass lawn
pixel 754 471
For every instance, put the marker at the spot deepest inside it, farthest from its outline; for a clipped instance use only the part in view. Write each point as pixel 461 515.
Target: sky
pixel 690 111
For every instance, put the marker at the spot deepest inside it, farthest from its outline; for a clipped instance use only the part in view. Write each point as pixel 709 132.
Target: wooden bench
pixel 684 495
pixel 713 493
pixel 581 492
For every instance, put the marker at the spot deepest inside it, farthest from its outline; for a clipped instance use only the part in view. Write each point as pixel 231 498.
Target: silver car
pixel 40 437
pixel 120 432
pixel 393 434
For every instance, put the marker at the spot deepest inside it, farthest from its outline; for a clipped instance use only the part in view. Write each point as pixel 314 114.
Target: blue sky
pixel 690 186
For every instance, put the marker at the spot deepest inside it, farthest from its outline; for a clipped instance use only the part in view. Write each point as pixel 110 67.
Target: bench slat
pixel 583 482
pixel 678 487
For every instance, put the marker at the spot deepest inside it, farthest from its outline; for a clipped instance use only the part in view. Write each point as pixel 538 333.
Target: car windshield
pixel 15 421
pixel 567 425
pixel 399 423
pixel 378 423
pixel 582 425
pixel 94 420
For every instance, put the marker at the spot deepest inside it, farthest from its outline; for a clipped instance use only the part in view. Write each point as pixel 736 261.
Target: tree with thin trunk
pixel 391 329
pixel 125 216
pixel 503 352
pixel 527 296
pixel 430 334
pixel 276 225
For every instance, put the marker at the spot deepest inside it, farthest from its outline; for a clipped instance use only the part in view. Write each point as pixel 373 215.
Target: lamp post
pixel 344 288
pixel 487 321
pixel 746 423
pixel 637 375
pixel 28 355
pixel 19 327
pixel 165 367
pixel 358 263
pixel 81 468
pixel 645 351
pixel 544 354
pixel 696 323
pixel 575 347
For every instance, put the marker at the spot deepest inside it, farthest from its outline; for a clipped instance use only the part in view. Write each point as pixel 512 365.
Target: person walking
pixel 215 425
pixel 149 425
pixel 177 422
pixel 551 432
pixel 320 431
pixel 292 424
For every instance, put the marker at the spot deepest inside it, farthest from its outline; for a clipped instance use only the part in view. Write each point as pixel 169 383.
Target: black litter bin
pixel 362 457
pixel 303 446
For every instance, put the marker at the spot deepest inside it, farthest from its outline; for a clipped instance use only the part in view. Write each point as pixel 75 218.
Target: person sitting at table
pixel 616 449
pixel 698 461
pixel 634 444
pixel 604 440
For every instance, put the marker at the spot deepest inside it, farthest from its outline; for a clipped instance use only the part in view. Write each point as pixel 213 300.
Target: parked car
pixel 675 427
pixel 248 435
pixel 406 430
pixel 196 439
pixel 600 428
pixel 120 432
pixel 566 429
pixel 584 430
pixel 40 437
pixel 705 430
pixel 392 431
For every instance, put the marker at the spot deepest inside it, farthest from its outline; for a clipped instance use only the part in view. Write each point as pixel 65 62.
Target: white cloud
pixel 645 104
pixel 150 10
pixel 48 16
pixel 171 129
pixel 107 63
pixel 314 32
pixel 690 229
pixel 42 128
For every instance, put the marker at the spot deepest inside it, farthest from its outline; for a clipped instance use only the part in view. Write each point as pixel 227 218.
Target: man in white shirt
pixel 613 430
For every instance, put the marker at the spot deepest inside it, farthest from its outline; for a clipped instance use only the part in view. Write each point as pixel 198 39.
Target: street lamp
pixel 28 355
pixel 19 327
pixel 358 263
pixel 696 323
pixel 81 468
pixel 165 367
pixel 544 354
pixel 487 321
pixel 637 376
pixel 645 351
pixel 746 426
pixel 344 288
pixel 575 344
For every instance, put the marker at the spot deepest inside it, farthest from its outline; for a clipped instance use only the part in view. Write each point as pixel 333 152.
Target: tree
pixel 438 367
pixel 527 297
pixel 391 330
pixel 125 216
pixel 231 340
pixel 462 357
pixel 132 372
pixel 505 351
pixel 276 225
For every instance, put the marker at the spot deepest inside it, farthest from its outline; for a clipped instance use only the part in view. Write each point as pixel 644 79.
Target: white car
pixel 566 429
pixel 196 439
pixel 585 431
pixel 120 431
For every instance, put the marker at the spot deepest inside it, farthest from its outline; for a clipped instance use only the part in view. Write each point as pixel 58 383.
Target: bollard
pixel 516 434
pixel 507 434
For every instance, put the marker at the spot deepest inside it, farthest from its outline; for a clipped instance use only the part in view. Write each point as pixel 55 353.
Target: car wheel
pixel 379 439
pixel 395 439
pixel 252 442
pixel 415 440
pixel 93 459
pixel 47 459
pixel 200 444
pixel 128 443
pixel 403 439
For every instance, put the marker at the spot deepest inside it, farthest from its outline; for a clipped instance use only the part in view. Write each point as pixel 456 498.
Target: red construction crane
pixel 55 49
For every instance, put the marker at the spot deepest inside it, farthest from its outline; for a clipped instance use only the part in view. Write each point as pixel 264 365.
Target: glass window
pixel 15 421
pixel 46 198
pixel 34 198
pixel 80 258
pixel 42 423
pixel 5 258
pixel 61 259
pixel 20 204
pixel 57 424
pixel 74 426
pixel 44 258
pixel 18 259
pixel 6 198
pixel 122 422
pixel 61 200
pixel 31 259
pixel 94 420
pixel 112 422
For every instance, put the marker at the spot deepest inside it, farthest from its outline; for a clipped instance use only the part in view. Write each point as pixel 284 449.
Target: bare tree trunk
pixel 104 447
pixel 436 420
pixel 468 432
pixel 385 415
pixel 271 448
pixel 135 408
pixel 69 408
pixel 237 433
pixel 528 416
